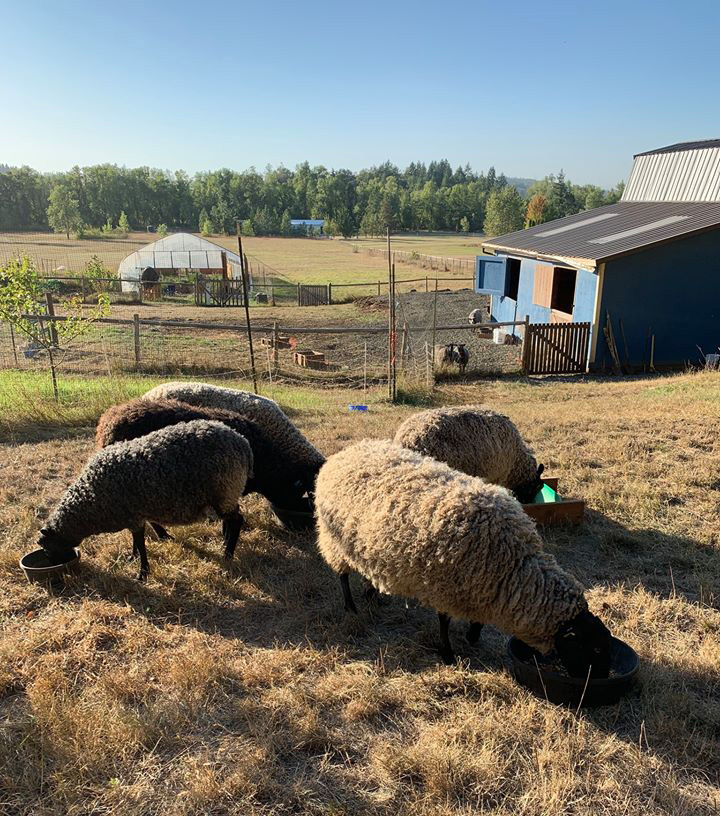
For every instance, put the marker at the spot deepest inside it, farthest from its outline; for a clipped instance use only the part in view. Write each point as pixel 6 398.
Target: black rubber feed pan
pixel 40 569
pixel 559 688
pixel 296 520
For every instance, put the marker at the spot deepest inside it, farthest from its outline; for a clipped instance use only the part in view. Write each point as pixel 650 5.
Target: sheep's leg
pixel 446 650
pixel 473 633
pixel 139 548
pixel 347 595
pixel 160 531
pixel 232 523
pixel 370 592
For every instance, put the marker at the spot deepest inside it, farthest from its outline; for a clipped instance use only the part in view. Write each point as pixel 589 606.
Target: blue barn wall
pixel 673 288
pixel 503 308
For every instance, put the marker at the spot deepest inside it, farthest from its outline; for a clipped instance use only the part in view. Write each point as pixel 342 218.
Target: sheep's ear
pixel 45 531
pixel 541 468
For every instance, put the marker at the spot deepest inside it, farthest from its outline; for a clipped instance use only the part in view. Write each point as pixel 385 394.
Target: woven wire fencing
pixel 432 328
pixel 334 357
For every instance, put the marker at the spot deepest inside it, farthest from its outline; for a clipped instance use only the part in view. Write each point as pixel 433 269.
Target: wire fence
pixel 64 265
pixel 348 356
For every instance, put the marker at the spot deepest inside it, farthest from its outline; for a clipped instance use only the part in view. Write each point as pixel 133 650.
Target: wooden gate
pixel 556 348
pixel 310 295
pixel 214 292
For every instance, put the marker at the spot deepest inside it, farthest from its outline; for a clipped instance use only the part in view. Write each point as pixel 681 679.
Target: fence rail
pixel 436 262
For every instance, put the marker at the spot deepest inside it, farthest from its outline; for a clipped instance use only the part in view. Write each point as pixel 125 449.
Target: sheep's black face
pixel 59 549
pixel 527 491
pixel 583 644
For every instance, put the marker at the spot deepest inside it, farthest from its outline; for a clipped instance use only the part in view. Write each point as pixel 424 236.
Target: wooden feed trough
pixel 560 511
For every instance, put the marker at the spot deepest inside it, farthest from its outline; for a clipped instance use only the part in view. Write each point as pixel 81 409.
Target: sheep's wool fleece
pixel 266 412
pixel 472 439
pixel 275 471
pixel 172 476
pixel 416 528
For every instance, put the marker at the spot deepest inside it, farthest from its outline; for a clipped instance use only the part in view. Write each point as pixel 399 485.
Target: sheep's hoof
pixel 448 656
pixel 142 576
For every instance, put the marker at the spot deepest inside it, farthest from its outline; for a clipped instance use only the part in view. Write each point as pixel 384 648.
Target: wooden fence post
pixel 136 335
pixel 329 293
pixel 298 294
pixel 275 339
pixel 12 340
pixel 526 346
pixel 51 314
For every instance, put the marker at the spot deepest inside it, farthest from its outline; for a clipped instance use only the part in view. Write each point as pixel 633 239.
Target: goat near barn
pixel 452 354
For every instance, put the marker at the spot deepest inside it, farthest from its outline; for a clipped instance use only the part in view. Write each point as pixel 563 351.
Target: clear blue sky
pixel 528 87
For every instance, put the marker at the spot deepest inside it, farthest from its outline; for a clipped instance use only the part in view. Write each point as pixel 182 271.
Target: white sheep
pixel 416 528
pixel 476 441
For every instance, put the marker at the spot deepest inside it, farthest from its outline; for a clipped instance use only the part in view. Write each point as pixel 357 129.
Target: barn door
pixel 490 274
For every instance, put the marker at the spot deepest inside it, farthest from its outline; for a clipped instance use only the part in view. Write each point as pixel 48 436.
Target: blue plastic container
pixel 358 407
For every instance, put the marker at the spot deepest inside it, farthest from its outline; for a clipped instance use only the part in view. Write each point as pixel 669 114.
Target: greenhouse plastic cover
pixel 179 251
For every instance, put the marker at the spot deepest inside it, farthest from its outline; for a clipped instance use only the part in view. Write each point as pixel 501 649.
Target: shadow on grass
pixel 280 592
pixel 602 551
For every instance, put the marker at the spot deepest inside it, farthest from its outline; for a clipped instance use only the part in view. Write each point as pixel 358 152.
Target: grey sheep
pixel 171 476
pixel 452 354
pixel 476 441
pixel 265 412
pixel 416 528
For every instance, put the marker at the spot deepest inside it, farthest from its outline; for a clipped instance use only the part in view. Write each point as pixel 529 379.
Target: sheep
pixel 280 476
pixel 476 441
pixel 173 476
pixel 414 527
pixel 452 354
pixel 265 412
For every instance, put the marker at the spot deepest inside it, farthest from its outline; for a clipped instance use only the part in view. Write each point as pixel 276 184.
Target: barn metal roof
pixel 594 236
pixel 685 172
pixel 678 146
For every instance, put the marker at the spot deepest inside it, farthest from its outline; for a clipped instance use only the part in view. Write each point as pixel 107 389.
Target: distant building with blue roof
pixel 307 226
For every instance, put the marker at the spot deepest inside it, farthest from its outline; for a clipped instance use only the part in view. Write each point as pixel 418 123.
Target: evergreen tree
pixel 123 223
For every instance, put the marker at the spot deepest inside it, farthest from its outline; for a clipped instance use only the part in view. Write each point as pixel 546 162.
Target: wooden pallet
pixel 566 511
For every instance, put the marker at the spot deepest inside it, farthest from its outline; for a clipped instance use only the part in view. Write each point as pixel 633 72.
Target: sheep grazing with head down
pixel 414 527
pixel 279 474
pixel 172 476
pixel 265 412
pixel 476 441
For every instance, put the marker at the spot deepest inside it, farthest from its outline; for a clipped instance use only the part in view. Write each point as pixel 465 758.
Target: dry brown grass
pixel 250 692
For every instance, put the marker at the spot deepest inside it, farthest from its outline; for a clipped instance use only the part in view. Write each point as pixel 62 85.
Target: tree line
pixel 110 199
